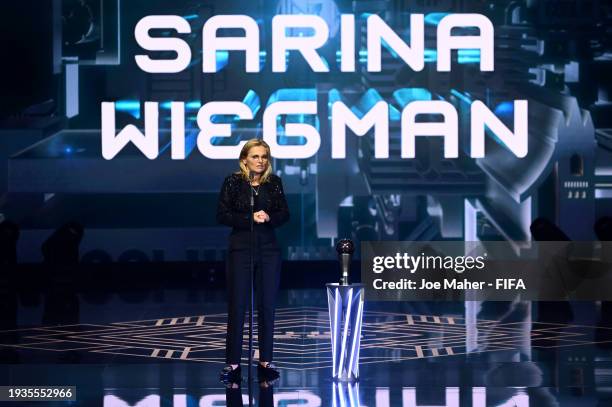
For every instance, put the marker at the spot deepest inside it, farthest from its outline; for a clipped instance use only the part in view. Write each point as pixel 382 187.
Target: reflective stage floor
pixel 165 348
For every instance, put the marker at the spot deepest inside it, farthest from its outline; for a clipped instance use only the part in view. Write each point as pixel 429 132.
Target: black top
pixel 234 209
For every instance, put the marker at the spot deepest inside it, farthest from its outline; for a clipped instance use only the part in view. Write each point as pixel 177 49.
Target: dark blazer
pixel 234 210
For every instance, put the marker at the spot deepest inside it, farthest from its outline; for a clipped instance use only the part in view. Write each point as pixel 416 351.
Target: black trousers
pixel 266 280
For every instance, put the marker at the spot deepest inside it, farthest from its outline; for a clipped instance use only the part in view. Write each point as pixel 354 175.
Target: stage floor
pixel 165 348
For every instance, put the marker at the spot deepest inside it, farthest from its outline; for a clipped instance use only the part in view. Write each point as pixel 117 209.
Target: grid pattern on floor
pixel 301 336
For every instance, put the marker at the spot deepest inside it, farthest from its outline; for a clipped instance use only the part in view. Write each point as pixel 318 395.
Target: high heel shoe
pixel 267 373
pixel 230 375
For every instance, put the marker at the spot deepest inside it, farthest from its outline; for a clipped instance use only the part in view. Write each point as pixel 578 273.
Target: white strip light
pixel 334 404
pixel 346 324
pixel 352 396
pixel 334 333
pixel 356 335
pixel 341 394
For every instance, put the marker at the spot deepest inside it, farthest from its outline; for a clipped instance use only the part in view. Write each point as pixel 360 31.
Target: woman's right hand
pixel 258 217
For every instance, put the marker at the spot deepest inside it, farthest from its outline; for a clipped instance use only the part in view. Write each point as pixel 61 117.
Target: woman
pixel 270 211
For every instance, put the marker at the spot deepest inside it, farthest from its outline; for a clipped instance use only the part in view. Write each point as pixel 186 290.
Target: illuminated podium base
pixel 345 303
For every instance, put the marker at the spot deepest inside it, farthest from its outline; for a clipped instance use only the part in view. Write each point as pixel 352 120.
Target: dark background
pixel 63 58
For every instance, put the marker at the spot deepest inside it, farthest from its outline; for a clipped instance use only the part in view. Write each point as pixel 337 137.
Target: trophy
pixel 345 249
pixel 345 305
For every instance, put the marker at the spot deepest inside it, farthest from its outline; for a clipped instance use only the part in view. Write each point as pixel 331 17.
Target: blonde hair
pixel 244 170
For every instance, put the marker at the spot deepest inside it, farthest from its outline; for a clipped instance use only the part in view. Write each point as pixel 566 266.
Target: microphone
pixel 251 178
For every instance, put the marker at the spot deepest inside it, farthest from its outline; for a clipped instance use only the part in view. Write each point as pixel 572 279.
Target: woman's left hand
pixel 262 215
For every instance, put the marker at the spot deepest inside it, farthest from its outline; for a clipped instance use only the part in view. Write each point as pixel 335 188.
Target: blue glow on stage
pixel 407 95
pixel 129 106
pixel 435 18
pixel 504 109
